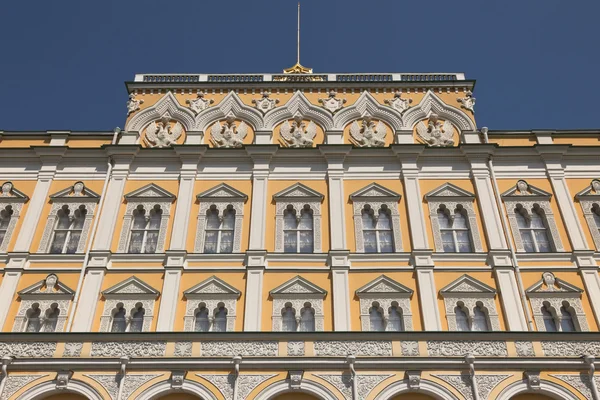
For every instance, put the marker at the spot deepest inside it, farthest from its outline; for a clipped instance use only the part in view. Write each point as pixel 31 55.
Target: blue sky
pixel 63 64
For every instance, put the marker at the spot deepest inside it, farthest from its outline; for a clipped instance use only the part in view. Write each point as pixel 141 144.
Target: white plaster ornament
pixel 370 134
pixel 298 133
pixel 332 103
pixel 133 104
pixel 467 102
pixel 199 103
pixel 265 103
pixel 435 133
pixel 398 103
pixel 162 134
pixel 229 134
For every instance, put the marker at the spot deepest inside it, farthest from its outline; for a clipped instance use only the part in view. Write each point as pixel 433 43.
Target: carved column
pixel 88 300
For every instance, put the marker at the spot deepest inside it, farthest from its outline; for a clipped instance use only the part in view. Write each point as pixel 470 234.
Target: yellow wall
pixel 575 186
pixel 26 187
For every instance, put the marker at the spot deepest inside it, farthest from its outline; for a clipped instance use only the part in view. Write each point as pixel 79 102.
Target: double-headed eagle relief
pixel 298 133
pixel 435 133
pixel 370 134
pixel 229 134
pixel 161 134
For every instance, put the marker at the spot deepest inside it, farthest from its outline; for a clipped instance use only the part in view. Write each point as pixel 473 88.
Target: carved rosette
pixel 409 348
pixel 295 348
pixel 73 349
pixel 221 206
pixel 183 349
pixel 524 349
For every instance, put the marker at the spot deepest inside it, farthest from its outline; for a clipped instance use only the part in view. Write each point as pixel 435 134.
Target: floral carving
pixel 163 134
pixel 524 349
pixel 241 348
pixel 14 383
pixel 370 134
pixel 129 348
pixel 581 382
pixel 27 349
pixel 571 348
pixel 398 103
pixel 435 133
pixel 467 102
pixel 110 383
pixel 199 103
pixel 409 348
pixel 332 103
pixel 226 383
pixel 463 347
pixel 183 349
pixel 264 103
pixel 229 134
pixel 72 349
pixel 487 383
pixel 463 383
pixel 134 382
pixel 355 347
pixel 295 348
pixel 364 383
pixel 133 104
pixel 298 133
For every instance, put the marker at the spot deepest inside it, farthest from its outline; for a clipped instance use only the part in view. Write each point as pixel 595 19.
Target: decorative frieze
pixel 72 349
pixel 581 382
pixel 295 348
pixel 239 348
pixel 14 383
pixel 129 348
pixel 462 347
pixel 409 348
pixel 524 349
pixel 183 349
pixel 571 348
pixel 27 349
pixel 356 347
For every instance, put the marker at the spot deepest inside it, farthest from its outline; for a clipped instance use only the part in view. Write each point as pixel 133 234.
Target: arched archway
pixel 279 391
pixel 531 396
pixel 520 390
pixel 76 390
pixel 399 391
pixel 179 396
pixel 65 396
pixel 295 396
pixel 189 390
pixel 413 396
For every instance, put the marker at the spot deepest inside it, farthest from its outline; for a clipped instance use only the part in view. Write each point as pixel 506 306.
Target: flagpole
pixel 298 44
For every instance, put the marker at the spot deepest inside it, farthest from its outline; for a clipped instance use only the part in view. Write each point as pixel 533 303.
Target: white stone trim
pixel 546 388
pixel 428 299
pixel 168 300
pixel 385 291
pixel 567 210
pixel 427 387
pixel 49 388
pixel 341 299
pixel 588 198
pixel 110 211
pixel 511 299
pixel 591 281
pixel 88 299
pixel 431 103
pixel 306 386
pixel 366 104
pixel 210 292
pixel 32 216
pixel 254 299
pixel 167 104
pixel 298 104
pixel 298 291
pixel 16 208
pixel 165 388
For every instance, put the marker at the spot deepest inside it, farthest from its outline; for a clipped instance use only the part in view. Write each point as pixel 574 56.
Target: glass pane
pixel 151 242
pixel 51 322
pixel 527 241
pixel 383 222
pixel 119 323
pixel 307 321
pixel 289 220
pixel 137 322
pixel 460 222
pixel 63 220
pixel 77 223
pixel 385 242
pixel 2 234
pixel 549 322
pixel 536 220
pixel 202 323
pixel 479 320
pixel 210 242
pixel 448 242
pixel 368 221
pixel 154 220
pixel 220 324
pixel 370 239
pixel 444 220
pixel 541 237
pixel 73 242
pixel 5 220
pixel 306 221
pixel 58 242
pixel 394 320
pixel 288 320
pixel 289 242
pixel 566 321
pixel 228 220
pixel 212 220
pixel 33 324
pixel 596 219
pixel 464 241
pixel 462 323
pixel 521 220
pixel 226 242
pixel 376 320
pixel 306 242
pixel 139 220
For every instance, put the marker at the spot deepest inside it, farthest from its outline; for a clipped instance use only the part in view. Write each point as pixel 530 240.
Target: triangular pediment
pixel 449 190
pixel 222 192
pixel 131 287
pixel 150 191
pixel 298 191
pixel 375 191
pixel 298 286
pixel 76 192
pixel 49 287
pixel 384 286
pixel 212 287
pixel 551 286
pixel 11 194
pixel 467 285
pixel 522 189
pixel 591 192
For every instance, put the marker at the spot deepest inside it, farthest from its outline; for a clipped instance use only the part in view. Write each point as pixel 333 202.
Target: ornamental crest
pixel 163 134
pixel 265 103
pixel 398 103
pixel 229 134
pixel 332 103
pixel 371 134
pixel 133 104
pixel 199 103
pixel 298 133
pixel 436 133
pixel 467 102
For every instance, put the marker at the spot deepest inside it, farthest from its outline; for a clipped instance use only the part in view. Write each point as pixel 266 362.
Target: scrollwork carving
pixel 130 348
pixel 462 347
pixel 355 347
pixel 256 348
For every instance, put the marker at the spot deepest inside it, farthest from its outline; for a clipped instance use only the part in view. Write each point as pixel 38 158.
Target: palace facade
pixel 300 236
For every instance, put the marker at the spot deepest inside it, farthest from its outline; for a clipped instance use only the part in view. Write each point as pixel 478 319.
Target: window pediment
pixel 222 192
pixel 131 287
pixel 47 288
pixel 448 190
pixel 212 287
pixel 375 192
pixel 298 286
pixel 525 191
pixel 298 192
pixel 466 285
pixel 75 193
pixel 150 192
pixel 10 194
pixel 384 286
pixel 550 286
pixel 591 192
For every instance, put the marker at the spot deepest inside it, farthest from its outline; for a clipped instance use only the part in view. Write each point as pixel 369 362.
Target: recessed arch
pixel 433 104
pixel 167 104
pixel 298 103
pixel 547 388
pixel 48 389
pixel 231 104
pixel 426 387
pixel 165 388
pixel 314 389
pixel 366 104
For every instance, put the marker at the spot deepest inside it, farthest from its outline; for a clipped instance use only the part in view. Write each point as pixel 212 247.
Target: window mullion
pixel 297 240
pixel 534 239
pixel 377 240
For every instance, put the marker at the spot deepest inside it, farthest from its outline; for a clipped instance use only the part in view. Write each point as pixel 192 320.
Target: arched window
pixel 68 230
pixel 51 319
pixel 219 230
pixel 34 323
pixel 394 322
pixel 307 318
pixel 548 317
pixel 596 215
pixel 462 320
pixel 376 318
pixel 454 229
pixel 377 230
pixel 119 321
pixel 533 230
pixel 298 231
pixel 5 216
pixel 288 319
pixel 202 324
pixel 137 319
pixel 566 319
pixel 145 229
pixel 220 323
pixel 480 321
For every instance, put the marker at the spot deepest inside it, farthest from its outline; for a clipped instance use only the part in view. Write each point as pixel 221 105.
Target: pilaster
pixel 261 155
pixel 8 288
pixel 591 281
pixel 170 291
pixel 510 298
pixel 254 297
pixel 88 300
pixel 428 293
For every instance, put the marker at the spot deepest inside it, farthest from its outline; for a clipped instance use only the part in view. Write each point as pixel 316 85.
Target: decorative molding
pixel 385 292
pixel 524 348
pixel 298 133
pixel 297 292
pixel 570 348
pixel 589 198
pixel 231 105
pixel 332 103
pixel 72 349
pixel 133 104
pixel 168 104
pixel 341 348
pixel 183 349
pixel 398 103
pixel 467 102
pixel 199 103
pixel 14 383
pixel 298 104
pixel 431 103
pixel 228 135
pixel 364 383
pixel 410 348
pixel 11 200
pixel 211 293
pixel 295 348
pixel 245 383
pixel 370 134
pixel 251 348
pixel 436 133
pixel 28 349
pixel 366 104
pixel 129 348
pixel 265 103
pixel 445 348
pixel 163 134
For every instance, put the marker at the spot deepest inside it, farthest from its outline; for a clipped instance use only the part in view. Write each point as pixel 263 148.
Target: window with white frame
pixel 385 306
pixel 43 306
pixel 470 305
pixel 11 203
pixel 145 221
pixel 70 219
pixel 220 219
pixel 453 220
pixel 298 220
pixel 298 306
pixel 557 305
pixel 210 306
pixel 531 219
pixel 128 306
pixel 376 220
pixel 589 198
